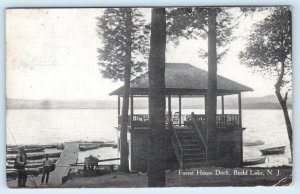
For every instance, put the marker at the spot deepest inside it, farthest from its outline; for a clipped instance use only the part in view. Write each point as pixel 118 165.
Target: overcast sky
pixel 52 54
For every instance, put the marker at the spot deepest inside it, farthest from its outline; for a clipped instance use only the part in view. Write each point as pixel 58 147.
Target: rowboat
pixel 27 150
pixel 254 161
pixel 254 143
pixel 33 161
pixel 33 156
pixel 92 146
pixel 31 165
pixel 85 147
pixel 273 151
pixel 12 173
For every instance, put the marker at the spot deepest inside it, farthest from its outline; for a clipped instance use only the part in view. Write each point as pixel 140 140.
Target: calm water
pixel 46 126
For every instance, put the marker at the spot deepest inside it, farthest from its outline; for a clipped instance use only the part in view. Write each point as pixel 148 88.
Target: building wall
pixel 139 151
pixel 230 147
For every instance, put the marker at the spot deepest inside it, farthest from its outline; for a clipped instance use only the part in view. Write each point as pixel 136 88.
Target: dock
pixel 68 156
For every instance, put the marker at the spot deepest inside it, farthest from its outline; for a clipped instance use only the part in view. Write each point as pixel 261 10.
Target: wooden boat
pixel 254 161
pixel 92 146
pixel 31 165
pixel 273 151
pixel 33 156
pixel 85 147
pixel 33 161
pixel 27 150
pixel 254 143
pixel 30 171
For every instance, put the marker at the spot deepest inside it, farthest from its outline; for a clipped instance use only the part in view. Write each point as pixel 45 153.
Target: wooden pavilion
pixel 188 134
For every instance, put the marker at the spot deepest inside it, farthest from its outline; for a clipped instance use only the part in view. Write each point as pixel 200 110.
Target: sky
pixel 51 54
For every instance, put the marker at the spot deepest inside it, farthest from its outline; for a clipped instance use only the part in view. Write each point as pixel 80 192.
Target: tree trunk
pixel 212 85
pixel 124 164
pixel 282 101
pixel 157 102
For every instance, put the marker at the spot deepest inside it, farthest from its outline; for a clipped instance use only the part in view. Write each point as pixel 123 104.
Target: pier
pixel 68 156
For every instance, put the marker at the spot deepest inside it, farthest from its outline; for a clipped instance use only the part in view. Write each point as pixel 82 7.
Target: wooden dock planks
pixel 68 156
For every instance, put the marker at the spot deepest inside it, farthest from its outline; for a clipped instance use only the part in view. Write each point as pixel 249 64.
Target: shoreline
pixel 173 179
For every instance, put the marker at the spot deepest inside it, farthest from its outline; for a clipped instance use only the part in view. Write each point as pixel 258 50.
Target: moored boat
pixel 33 156
pixel 85 147
pixel 27 150
pixel 254 143
pixel 11 162
pixel 273 151
pixel 92 146
pixel 254 161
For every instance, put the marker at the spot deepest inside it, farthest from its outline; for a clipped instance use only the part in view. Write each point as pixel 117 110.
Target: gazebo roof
pixel 184 79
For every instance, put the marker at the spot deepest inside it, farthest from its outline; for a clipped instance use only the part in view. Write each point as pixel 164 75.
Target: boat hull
pixel 273 151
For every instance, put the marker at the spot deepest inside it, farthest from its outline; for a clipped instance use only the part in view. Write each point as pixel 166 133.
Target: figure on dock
pixel 20 163
pixel 47 163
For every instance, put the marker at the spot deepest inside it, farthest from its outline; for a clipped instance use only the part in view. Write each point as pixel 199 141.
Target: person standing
pixel 20 166
pixel 47 163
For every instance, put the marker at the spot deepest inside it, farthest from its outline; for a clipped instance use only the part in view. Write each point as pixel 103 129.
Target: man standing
pixel 47 163
pixel 20 166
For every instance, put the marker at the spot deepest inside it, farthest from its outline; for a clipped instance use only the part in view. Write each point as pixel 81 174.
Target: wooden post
pixel 169 109
pixel 179 109
pixel 131 110
pixel 222 99
pixel 205 106
pixel 119 107
pixel 240 108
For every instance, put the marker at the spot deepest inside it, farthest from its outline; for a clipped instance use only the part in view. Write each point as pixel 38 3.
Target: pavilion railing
pixel 222 120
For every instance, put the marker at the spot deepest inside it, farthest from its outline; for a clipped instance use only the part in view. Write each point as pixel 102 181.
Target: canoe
pixel 85 147
pixel 254 143
pixel 30 171
pixel 91 146
pixel 254 161
pixel 273 151
pixel 31 165
pixel 33 156
pixel 27 150
pixel 33 161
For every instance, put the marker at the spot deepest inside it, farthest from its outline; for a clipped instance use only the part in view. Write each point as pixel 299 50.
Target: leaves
pixel 270 44
pixel 192 23
pixel 112 29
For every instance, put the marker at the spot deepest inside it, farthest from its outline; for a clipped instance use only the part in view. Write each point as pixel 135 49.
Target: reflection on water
pixel 46 126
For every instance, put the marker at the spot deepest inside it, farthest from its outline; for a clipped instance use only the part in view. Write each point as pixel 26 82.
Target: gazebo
pixel 188 133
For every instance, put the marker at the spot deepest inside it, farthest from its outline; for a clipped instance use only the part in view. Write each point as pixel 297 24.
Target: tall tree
pixel 125 41
pixel 157 93
pixel 269 51
pixel 212 84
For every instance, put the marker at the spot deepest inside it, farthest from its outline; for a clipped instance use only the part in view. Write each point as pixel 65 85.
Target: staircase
pixel 189 146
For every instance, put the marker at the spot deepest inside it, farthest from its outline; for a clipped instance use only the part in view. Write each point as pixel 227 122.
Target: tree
pixel 269 51
pixel 157 93
pixel 213 23
pixel 125 41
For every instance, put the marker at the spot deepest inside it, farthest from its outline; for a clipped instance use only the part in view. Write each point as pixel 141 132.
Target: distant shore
pixel 265 102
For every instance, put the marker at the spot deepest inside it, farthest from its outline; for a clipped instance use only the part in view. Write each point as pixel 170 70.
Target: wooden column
pixel 131 110
pixel 169 109
pixel 205 106
pixel 222 99
pixel 119 107
pixel 179 109
pixel 240 108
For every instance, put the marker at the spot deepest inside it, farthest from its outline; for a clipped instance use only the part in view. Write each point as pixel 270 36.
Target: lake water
pixel 47 126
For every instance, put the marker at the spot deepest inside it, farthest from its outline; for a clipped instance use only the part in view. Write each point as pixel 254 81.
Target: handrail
pixel 199 132
pixel 176 145
pixel 173 129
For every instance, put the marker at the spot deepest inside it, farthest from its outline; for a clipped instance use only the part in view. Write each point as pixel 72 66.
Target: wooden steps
pixel 192 152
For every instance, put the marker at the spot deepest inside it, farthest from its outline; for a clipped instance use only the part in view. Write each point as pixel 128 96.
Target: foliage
pixel 112 30
pixel 192 23
pixel 270 44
